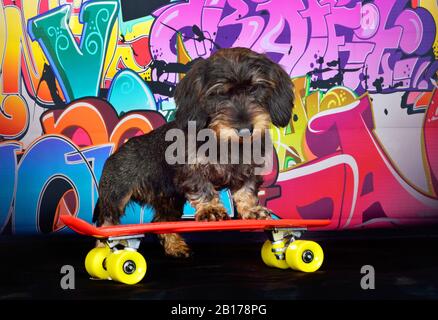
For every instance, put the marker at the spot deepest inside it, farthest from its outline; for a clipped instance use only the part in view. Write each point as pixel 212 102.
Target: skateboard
pixel 119 259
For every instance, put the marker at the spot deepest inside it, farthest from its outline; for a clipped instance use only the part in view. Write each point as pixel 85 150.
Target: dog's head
pixel 235 92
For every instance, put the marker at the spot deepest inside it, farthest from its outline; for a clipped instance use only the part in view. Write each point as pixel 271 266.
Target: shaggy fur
pixel 234 89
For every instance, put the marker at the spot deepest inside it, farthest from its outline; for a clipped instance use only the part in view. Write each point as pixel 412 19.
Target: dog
pixel 234 91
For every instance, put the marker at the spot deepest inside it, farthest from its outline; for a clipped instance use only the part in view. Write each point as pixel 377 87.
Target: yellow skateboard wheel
pixel 95 262
pixel 269 257
pixel 306 256
pixel 126 266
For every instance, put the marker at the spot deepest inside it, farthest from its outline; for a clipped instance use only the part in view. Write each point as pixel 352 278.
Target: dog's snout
pixel 244 132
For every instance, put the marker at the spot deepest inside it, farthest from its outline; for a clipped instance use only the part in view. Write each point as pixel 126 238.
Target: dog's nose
pixel 245 132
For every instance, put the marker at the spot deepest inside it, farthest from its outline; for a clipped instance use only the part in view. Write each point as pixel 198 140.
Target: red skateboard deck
pixel 85 228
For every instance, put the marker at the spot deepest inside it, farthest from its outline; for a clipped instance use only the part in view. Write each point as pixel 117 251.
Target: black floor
pixel 228 266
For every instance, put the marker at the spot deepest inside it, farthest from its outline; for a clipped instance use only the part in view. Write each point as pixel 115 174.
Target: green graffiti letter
pixel 78 68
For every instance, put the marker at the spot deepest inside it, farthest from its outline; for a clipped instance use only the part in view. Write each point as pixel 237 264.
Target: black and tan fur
pixel 233 89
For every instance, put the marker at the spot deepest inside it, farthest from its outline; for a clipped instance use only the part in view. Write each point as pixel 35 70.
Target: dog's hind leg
pixel 174 245
pixel 110 207
pixel 171 209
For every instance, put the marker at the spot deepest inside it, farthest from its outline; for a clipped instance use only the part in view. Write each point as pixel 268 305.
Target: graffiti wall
pixel 79 78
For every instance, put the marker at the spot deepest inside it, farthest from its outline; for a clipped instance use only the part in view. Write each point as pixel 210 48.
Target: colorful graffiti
pixel 79 78
pixel 382 45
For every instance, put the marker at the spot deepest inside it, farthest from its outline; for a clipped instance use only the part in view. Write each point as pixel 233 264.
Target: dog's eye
pixel 253 89
pixel 219 94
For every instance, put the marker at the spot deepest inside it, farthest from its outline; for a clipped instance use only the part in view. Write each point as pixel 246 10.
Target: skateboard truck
pixel 281 239
pixel 127 242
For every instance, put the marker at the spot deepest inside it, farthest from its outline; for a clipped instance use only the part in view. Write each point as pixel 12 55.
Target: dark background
pixel 227 265
pixel 134 9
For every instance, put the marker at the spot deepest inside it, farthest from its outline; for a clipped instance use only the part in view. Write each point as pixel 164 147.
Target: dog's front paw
pixel 211 213
pixel 258 213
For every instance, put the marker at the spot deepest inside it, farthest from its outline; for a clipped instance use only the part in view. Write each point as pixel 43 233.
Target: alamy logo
pixel 205 147
pixel 68 280
pixel 368 281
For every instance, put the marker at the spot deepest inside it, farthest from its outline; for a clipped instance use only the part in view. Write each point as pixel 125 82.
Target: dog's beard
pixel 224 130
pixel 255 149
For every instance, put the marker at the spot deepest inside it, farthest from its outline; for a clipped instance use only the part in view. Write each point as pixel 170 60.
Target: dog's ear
pixel 281 101
pixel 187 97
